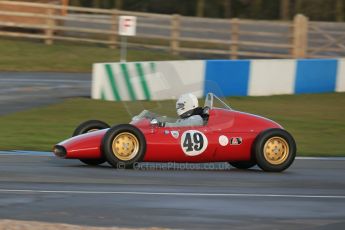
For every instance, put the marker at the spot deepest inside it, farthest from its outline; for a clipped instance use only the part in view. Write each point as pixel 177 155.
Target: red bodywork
pixel 162 146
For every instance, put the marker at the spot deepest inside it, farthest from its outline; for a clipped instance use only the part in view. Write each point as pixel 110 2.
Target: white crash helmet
pixel 186 104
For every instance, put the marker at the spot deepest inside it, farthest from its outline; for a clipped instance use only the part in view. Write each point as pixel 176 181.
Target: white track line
pixel 171 193
pixel 321 158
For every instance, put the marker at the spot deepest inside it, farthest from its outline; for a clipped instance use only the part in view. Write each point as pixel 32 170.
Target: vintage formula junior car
pixel 244 140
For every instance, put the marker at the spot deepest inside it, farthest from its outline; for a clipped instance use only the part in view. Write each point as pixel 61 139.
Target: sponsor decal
pixel 193 142
pixel 166 132
pixel 223 140
pixel 175 134
pixel 236 141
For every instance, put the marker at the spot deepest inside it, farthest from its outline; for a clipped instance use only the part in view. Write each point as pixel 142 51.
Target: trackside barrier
pixel 168 79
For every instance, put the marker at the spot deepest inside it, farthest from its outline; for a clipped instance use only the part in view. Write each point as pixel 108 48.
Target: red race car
pixel 244 140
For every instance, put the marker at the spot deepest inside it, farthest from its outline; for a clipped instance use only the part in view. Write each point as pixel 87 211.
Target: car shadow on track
pixel 176 167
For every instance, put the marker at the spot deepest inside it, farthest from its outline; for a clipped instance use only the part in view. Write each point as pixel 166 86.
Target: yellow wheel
pixel 125 146
pixel 275 150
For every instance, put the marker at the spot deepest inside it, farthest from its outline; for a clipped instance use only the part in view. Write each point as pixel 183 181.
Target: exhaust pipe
pixel 59 151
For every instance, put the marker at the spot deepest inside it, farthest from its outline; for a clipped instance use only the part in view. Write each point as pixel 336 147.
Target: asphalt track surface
pixel 40 187
pixel 20 91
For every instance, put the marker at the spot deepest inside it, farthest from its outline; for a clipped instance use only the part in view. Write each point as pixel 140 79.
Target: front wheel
pixel 243 164
pixel 274 150
pixel 123 146
pixel 87 127
pixel 93 162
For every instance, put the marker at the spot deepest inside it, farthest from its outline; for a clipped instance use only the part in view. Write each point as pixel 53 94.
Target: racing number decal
pixel 193 142
pixel 196 144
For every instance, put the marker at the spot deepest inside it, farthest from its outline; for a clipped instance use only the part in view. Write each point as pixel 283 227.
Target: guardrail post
pixel 200 8
pixel 300 36
pixel 285 9
pixel 175 33
pixel 234 38
pixel 64 9
pixel 114 29
pixel 49 31
pixel 339 9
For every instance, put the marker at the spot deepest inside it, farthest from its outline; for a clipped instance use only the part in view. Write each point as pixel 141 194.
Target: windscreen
pixel 212 101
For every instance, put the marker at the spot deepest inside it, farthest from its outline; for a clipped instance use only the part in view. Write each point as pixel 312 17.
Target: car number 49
pixel 193 142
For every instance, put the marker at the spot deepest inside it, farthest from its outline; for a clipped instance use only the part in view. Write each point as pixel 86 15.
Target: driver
pixel 188 111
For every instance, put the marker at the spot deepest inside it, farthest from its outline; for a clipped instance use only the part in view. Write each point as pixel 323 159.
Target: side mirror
pixel 154 122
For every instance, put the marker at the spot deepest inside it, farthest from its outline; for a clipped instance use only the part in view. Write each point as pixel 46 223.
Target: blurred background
pixel 196 29
pixel 316 10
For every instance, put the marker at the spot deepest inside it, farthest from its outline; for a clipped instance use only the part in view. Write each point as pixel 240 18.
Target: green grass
pixel 65 57
pixel 316 121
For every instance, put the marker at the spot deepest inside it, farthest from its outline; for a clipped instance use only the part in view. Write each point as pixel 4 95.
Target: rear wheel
pixel 275 150
pixel 87 127
pixel 123 146
pixel 242 164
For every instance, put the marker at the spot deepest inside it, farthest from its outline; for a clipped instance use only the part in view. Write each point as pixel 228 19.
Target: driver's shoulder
pixel 195 117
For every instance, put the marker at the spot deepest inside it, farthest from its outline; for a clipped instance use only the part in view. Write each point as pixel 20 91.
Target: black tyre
pixel 90 126
pixel 93 162
pixel 243 164
pixel 123 146
pixel 274 150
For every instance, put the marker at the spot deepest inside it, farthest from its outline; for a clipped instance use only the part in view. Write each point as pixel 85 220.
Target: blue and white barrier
pixel 168 79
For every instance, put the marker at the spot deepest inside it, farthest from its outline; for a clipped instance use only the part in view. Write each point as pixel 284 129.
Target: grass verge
pixel 316 121
pixel 62 57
